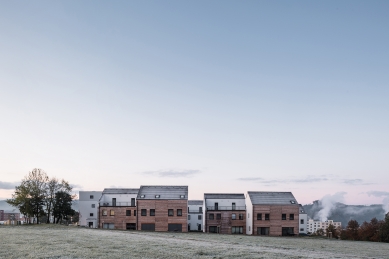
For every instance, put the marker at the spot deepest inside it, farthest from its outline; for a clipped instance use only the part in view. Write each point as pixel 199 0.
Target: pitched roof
pixel 302 211
pixel 120 191
pixel 165 192
pixel 272 198
pixel 195 202
pixel 224 196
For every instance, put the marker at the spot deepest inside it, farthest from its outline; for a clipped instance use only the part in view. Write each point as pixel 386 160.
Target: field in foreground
pixel 47 241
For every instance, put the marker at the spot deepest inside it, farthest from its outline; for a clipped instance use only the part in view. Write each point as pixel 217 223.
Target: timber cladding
pixel 275 222
pixel 161 219
pixel 226 221
pixel 117 216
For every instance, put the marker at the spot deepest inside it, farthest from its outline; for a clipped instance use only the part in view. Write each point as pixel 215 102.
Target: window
pixel 216 206
pixel 240 216
pixel 301 229
pixel 287 231
pixel 233 206
pixel 170 212
pixel 283 216
pixel 263 231
pixel 188 217
pixel 134 212
pixel 113 202
pixel 90 214
pixel 112 213
pixel 291 216
pixel 93 205
pixel 201 209
pixel 236 230
pixel 179 212
pixel 105 213
pixel 128 212
pixel 212 229
pixel 91 196
pixel 301 221
pixel 132 202
pixel 259 216
pixel 233 216
pixel 152 212
pixel 267 216
pixel 143 212
pixel 218 216
pixel 211 216
pixel 199 217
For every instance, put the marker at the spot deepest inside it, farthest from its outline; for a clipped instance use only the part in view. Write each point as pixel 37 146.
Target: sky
pixel 222 96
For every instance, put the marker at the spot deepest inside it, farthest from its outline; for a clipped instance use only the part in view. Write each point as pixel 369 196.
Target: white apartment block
pixel 88 207
pixel 303 221
pixel 313 226
pixel 195 215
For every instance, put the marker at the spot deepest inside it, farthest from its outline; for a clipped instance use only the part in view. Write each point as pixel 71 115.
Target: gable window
pixel 301 221
pixel 93 205
pixel 170 212
pixel 105 212
pixel 152 212
pixel 291 216
pixel 259 216
pixel 283 216
pixel 128 212
pixel 179 212
pixel 211 216
pixel 240 216
pixel 112 212
pixel 199 217
pixel 218 216
pixel 90 214
pixel 91 197
pixel 233 216
pixel 267 216
pixel 143 212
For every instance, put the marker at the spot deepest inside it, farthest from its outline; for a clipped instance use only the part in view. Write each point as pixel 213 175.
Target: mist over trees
pixel 39 196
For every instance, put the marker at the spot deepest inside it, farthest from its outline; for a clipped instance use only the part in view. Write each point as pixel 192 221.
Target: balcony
pixel 117 204
pixel 226 207
pixel 195 211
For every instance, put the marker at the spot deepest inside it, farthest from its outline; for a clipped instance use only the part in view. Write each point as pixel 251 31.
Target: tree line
pixel 39 196
pixel 375 230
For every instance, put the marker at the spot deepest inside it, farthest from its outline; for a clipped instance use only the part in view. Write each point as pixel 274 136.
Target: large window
pixel 212 229
pixel 233 216
pixel 283 216
pixel 170 212
pixel 130 226
pixel 236 230
pixel 287 231
pixel 263 231
pixel 267 216
pixel 211 216
pixel 218 216
pixel 179 212
pixel 152 212
pixel 143 212
pixel 128 212
pixel 259 216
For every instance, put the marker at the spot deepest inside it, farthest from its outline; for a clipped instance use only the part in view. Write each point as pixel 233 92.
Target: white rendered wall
pixel 304 225
pixel 85 208
pixel 249 216
pixel 194 212
pixel 226 202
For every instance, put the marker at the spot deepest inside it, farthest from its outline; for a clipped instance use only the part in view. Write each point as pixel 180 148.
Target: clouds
pixel 173 173
pixel 385 200
pixel 8 185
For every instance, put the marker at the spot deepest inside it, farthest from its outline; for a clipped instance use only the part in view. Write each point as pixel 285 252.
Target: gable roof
pixel 272 198
pixel 195 202
pixel 120 191
pixel 165 192
pixel 224 196
pixel 302 211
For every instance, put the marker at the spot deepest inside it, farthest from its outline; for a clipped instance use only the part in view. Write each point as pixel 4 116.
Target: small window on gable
pixel 91 196
pixel 293 202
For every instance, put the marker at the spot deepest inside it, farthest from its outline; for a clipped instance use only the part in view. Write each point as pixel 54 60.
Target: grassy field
pixel 47 241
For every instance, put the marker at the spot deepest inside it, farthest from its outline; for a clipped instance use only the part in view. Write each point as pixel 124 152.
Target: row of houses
pixel 167 208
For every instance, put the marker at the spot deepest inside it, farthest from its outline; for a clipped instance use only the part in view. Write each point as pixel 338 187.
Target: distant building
pixel 1 215
pixel 225 213
pixel 272 214
pixel 313 226
pixel 117 208
pixel 195 215
pixel 303 220
pixel 88 205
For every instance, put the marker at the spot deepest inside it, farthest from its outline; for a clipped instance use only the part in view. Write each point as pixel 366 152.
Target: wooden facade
pixel 223 221
pixel 162 220
pixel 275 223
pixel 118 216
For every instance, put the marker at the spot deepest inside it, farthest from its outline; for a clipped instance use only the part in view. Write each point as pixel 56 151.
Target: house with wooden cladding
pixel 117 208
pixel 162 208
pixel 272 214
pixel 195 215
pixel 224 213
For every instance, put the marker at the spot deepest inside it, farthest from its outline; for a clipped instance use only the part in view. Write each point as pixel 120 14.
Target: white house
pixel 88 205
pixel 195 215
pixel 303 220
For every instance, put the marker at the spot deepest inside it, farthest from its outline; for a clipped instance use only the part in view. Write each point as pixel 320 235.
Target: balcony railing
pixel 116 204
pixel 226 207
pixel 195 211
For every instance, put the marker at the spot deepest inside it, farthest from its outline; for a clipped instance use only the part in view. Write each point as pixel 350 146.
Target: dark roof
pixel 302 211
pixel 120 191
pixel 195 202
pixel 165 192
pixel 272 198
pixel 224 196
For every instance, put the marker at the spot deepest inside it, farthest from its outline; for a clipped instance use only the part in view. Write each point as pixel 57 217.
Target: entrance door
pixel 90 224
pixel 199 227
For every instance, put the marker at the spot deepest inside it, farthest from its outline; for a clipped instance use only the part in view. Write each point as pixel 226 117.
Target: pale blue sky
pixel 224 96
